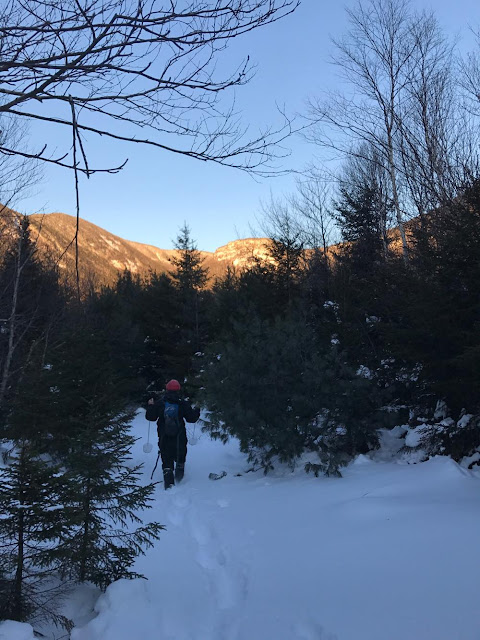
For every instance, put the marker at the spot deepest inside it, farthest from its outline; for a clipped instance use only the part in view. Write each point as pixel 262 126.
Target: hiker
pixel 171 412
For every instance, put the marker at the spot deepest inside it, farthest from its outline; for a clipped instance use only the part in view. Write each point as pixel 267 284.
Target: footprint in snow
pixel 180 504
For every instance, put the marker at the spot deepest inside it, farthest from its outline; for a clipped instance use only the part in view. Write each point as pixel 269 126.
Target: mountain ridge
pixel 103 255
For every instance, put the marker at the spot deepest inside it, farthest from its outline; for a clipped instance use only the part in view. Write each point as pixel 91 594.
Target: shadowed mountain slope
pixel 102 255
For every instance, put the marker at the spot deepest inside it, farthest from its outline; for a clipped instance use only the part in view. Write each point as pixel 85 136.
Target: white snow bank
pixel 10 630
pixel 389 552
pixel 123 596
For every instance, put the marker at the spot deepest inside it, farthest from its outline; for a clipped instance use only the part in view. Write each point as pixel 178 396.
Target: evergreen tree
pixel 255 387
pixel 32 526
pixel 287 254
pixel 189 275
pixel 256 291
pixel 280 392
pixel 160 316
pixel 225 301
pixel 190 278
pixel 79 415
pixel 362 285
pixel 104 498
pixel 90 420
pixel 445 310
pixel 360 220
pixel 119 306
pixel 317 281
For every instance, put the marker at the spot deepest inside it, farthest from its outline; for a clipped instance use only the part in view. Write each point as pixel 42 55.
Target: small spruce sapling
pixel 32 525
pixel 105 497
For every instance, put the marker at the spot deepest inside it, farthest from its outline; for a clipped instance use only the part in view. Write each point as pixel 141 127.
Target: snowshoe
pixel 217 476
pixel 179 472
pixel 168 478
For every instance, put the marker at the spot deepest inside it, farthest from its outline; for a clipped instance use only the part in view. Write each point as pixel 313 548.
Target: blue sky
pixel 157 191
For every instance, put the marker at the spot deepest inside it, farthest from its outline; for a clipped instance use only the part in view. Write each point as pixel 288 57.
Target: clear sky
pixel 157 191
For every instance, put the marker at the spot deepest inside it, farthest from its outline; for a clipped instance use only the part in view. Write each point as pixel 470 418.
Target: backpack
pixel 171 419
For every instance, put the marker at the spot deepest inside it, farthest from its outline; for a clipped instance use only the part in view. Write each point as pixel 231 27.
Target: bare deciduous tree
pixel 17 175
pixel 438 146
pixel 311 204
pixel 143 71
pixel 286 249
pixel 374 57
pixel 470 78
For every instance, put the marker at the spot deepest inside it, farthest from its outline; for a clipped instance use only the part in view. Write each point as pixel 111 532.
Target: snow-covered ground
pixel 389 552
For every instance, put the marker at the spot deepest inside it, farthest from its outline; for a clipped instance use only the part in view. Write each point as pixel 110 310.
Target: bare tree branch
pixel 374 57
pixel 128 65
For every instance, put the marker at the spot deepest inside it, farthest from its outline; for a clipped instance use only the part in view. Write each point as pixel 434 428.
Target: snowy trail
pixel 389 552
pixel 227 586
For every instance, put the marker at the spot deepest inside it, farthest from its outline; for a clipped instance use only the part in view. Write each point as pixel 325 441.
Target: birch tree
pixel 438 142
pixel 374 57
pixel 470 78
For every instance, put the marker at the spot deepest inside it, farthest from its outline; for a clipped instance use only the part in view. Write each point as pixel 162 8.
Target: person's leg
pixel 181 455
pixel 168 450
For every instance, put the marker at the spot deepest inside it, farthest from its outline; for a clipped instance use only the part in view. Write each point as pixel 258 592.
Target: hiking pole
pixel 147 447
pixel 156 463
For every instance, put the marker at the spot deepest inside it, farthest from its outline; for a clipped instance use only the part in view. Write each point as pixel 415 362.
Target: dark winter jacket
pixel 186 413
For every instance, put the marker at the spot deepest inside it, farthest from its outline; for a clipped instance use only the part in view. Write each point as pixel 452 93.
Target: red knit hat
pixel 173 385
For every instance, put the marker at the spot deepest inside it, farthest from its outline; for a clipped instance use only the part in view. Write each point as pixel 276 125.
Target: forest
pixel 364 316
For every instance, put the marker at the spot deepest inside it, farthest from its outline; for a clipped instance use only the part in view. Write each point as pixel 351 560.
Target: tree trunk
pixel 85 536
pixel 396 200
pixel 17 609
pixel 11 326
